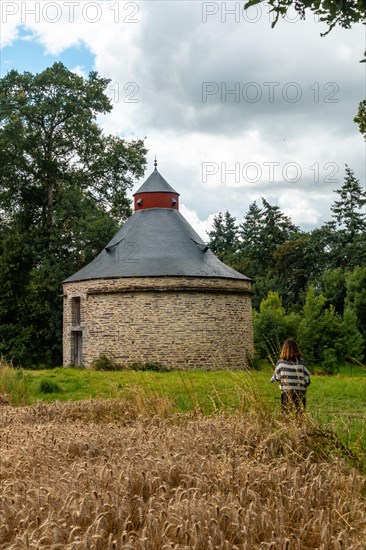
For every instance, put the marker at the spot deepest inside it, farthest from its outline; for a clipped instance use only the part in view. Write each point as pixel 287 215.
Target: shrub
pixel 330 363
pixel 254 361
pixel 105 363
pixel 149 366
pixel 48 386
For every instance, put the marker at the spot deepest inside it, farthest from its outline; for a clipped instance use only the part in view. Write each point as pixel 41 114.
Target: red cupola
pixel 156 193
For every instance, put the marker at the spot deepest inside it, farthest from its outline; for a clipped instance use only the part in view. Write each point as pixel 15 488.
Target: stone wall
pixel 178 322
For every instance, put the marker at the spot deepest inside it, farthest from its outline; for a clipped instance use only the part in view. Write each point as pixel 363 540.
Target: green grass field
pixel 337 403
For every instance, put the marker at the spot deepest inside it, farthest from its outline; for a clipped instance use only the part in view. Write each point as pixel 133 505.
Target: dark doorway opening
pixel 76 347
pixel 75 311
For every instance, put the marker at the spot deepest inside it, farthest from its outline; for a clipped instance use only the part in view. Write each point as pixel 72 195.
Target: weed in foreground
pixel 49 386
pixel 14 385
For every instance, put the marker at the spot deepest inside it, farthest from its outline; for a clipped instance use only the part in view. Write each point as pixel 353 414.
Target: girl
pixel 293 376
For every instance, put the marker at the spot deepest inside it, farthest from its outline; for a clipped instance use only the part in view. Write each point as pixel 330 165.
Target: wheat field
pixel 103 475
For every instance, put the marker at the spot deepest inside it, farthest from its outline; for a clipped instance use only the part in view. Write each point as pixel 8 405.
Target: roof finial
pixel 156 163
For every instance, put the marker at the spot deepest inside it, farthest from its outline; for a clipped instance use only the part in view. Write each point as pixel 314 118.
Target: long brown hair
pixel 290 350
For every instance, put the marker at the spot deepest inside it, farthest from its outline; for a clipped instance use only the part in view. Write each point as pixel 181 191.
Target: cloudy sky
pixel 233 110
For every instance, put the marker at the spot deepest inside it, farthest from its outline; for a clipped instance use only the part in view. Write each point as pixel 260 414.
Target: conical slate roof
pixel 155 183
pixel 155 242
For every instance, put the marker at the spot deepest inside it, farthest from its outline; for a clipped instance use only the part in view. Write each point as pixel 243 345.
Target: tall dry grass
pixel 14 385
pixel 99 475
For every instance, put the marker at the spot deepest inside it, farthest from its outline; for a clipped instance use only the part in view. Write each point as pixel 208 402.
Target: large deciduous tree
pixel 62 196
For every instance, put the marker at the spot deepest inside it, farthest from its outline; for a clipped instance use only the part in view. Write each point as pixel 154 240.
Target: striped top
pixel 292 375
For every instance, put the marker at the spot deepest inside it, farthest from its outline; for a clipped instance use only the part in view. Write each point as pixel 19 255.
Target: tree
pixel 352 341
pixel 262 231
pixel 347 211
pixel 356 299
pixel 333 287
pixel 250 229
pixel 49 139
pixel 349 223
pixel 224 235
pixel 276 229
pixel 62 197
pixel 310 329
pixel 340 243
pixel 292 269
pixel 272 326
pixel 360 118
pixel 325 337
pixel 331 12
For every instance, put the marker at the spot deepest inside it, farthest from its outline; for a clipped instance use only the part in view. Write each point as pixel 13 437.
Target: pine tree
pixel 277 227
pixel 348 210
pixel 262 231
pixel 250 230
pixel 223 238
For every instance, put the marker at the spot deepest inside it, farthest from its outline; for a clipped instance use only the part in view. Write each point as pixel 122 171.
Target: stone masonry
pixel 186 322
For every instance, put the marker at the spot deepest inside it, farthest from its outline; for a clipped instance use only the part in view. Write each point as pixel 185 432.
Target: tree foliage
pixel 291 268
pixel 325 337
pixel 272 326
pixel 223 238
pixel 360 118
pixel 49 140
pixel 63 194
pixel 314 279
pixel 332 285
pixel 262 231
pixel 356 298
pixel 347 211
pixel 344 13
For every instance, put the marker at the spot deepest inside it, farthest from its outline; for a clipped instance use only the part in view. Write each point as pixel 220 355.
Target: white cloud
pixel 9 31
pixel 202 227
pixel 79 71
pixel 300 208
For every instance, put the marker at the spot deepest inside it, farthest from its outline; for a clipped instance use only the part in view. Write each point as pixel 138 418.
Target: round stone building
pixel 157 293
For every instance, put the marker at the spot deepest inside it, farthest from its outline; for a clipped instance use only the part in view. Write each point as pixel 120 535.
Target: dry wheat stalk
pixel 100 475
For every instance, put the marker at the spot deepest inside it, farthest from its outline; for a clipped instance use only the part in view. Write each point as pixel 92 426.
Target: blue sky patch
pixel 28 55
